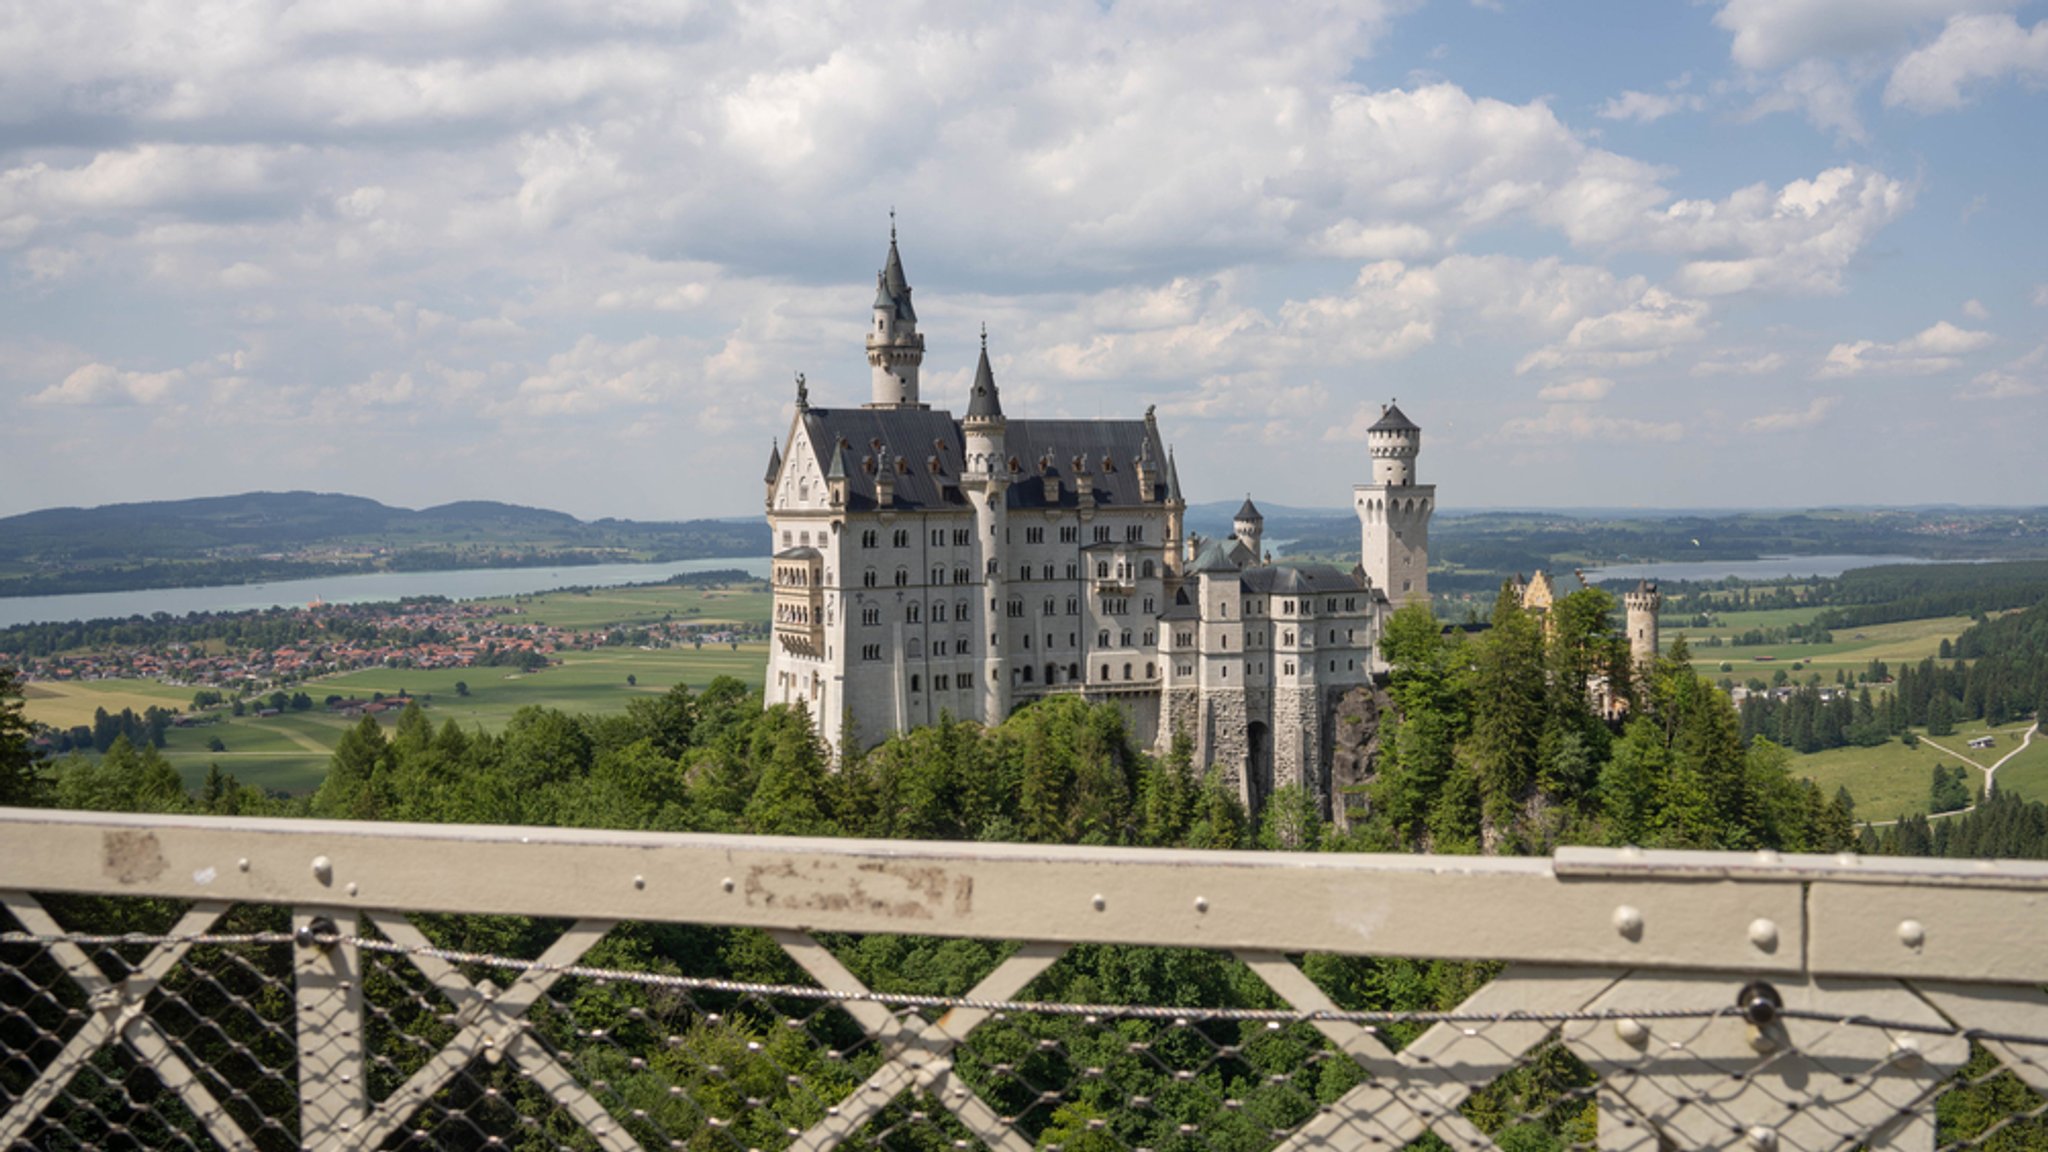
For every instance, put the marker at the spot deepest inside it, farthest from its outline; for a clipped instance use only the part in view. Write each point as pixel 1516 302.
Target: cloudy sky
pixel 1740 252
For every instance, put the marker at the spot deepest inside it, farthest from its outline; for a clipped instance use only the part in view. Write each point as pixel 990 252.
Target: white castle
pixel 927 565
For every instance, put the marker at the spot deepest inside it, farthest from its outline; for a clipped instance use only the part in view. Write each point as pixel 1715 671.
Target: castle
pixel 928 565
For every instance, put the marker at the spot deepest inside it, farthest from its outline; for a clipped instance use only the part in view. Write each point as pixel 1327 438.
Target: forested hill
pixel 283 535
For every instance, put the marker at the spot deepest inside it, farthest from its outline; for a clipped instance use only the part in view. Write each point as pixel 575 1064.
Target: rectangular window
pixel 939 683
pixel 967 679
pixel 871 651
pixel 960 537
pixel 1034 535
pixel 1134 533
pixel 1102 533
pixel 1070 534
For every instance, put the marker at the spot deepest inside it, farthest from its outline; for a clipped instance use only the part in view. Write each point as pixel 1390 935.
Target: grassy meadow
pixel 288 753
pixel 1905 642
pixel 1892 780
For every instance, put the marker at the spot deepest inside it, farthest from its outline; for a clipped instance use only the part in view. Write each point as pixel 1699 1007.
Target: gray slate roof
pixel 1250 512
pixel 774 462
pixel 1394 420
pixel 892 288
pixel 984 402
pixel 1305 580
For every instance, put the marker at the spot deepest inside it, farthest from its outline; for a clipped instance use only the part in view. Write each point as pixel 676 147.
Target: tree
pixel 1507 709
pixel 22 782
pixel 462 688
pixel 632 680
pixel 1941 715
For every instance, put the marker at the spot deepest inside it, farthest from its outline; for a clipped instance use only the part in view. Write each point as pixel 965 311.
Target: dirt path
pixel 1990 773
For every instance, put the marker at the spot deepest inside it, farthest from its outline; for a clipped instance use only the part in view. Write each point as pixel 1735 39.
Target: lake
pixel 1766 568
pixel 369 587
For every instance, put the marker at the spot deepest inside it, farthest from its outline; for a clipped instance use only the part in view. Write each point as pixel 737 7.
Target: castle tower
pixel 1393 511
pixel 1642 604
pixel 895 349
pixel 986 478
pixel 1249 526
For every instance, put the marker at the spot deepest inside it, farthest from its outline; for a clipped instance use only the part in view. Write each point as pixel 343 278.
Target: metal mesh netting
pixel 124 1027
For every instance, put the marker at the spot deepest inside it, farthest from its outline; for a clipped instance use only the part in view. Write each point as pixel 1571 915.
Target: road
pixel 1990 773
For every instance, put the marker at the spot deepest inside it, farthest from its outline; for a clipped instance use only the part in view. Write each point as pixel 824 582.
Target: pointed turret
pixel 895 349
pixel 1173 495
pixel 835 476
pixel 984 403
pixel 1249 526
pixel 774 463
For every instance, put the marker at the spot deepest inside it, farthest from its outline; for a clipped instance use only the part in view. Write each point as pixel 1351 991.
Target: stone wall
pixel 1355 725
pixel 1223 742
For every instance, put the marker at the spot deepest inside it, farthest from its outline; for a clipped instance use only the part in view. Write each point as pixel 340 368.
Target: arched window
pixel 1127 671
pixel 1151 569
pixel 1149 670
pixel 1105 672
pixel 916 684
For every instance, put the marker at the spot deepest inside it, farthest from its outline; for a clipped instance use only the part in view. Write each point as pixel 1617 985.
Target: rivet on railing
pixel 351 889
pixel 1912 933
pixel 1763 1139
pixel 1632 1032
pixel 319 932
pixel 1100 902
pixel 1628 920
pixel 639 881
pixel 727 884
pixel 1201 903
pixel 1764 934
pixel 323 869
pixel 242 865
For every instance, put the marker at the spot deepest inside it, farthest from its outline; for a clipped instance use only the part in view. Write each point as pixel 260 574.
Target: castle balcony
pixel 217 983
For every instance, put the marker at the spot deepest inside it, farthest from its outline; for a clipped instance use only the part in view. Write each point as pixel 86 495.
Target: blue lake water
pixel 1766 568
pixel 369 587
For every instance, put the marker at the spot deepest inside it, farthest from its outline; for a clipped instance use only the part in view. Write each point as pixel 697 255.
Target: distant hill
pixel 285 535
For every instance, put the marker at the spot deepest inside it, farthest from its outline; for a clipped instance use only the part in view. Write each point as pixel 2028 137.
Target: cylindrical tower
pixel 986 479
pixel 1249 528
pixel 1642 604
pixel 1393 443
pixel 895 349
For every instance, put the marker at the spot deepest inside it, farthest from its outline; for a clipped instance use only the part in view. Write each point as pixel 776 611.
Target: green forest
pixel 1492 744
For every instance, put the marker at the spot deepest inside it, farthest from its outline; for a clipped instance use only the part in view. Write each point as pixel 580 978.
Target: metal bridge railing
pixel 190 982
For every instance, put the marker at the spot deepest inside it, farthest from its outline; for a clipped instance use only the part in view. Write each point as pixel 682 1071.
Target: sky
pixel 1731 253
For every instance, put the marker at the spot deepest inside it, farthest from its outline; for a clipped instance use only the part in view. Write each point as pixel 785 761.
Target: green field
pixel 289 753
pixel 1906 642
pixel 1892 780
pixel 630 607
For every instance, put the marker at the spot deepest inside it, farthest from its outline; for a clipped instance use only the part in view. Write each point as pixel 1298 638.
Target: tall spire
pixel 984 403
pixel 1173 479
pixel 895 348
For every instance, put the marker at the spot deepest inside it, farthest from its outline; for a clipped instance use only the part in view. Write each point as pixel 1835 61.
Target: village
pixel 333 639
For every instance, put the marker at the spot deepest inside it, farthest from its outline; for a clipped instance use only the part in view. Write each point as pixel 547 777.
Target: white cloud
pixel 1574 422
pixel 1649 107
pixel 1801 237
pixel 1641 333
pixel 2040 296
pixel 1976 310
pixel 1584 390
pixel 1795 419
pixel 2024 377
pixel 1970 49
pixel 1935 349
pixel 1740 365
pixel 99 385
pixel 1821 90
pixel 1772 34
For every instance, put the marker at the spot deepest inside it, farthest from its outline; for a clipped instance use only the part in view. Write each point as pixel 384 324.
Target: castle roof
pixel 892 288
pixel 1214 557
pixel 774 463
pixel 1392 419
pixel 800 552
pixel 1250 512
pixel 1172 479
pixel 983 403
pixel 1301 580
pixel 1108 450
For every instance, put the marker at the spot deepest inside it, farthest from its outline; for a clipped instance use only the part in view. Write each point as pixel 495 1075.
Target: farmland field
pixel 1892 780
pixel 1906 642
pixel 288 753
